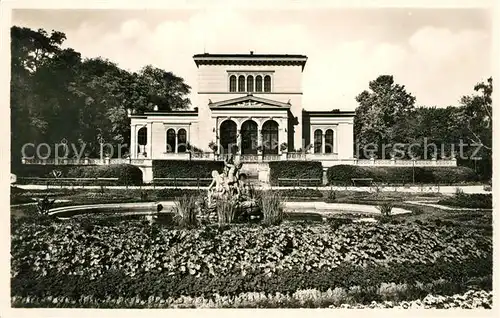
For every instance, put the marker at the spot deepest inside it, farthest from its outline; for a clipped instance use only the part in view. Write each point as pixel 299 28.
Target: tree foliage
pixel 386 116
pixel 383 114
pixel 56 95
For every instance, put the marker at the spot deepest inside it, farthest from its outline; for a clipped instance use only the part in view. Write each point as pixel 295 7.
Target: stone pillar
pixel 259 141
pixel 133 142
pixel 176 141
pixel 323 142
pixel 282 135
pixel 150 140
pixel 238 140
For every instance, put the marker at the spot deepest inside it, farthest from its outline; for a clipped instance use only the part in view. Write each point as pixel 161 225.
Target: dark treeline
pixel 387 115
pixel 56 95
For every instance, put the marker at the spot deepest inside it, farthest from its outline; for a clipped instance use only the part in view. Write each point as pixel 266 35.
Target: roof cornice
pixel 250 59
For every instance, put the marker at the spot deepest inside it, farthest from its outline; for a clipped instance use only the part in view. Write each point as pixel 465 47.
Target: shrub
pixel 185 212
pixel 385 209
pixel 332 196
pixel 271 206
pixel 226 211
pixel 185 168
pixel 296 170
pixel 472 201
pixel 343 174
pixel 126 174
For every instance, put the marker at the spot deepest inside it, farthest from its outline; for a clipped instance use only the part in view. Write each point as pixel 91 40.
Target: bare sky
pixel 438 54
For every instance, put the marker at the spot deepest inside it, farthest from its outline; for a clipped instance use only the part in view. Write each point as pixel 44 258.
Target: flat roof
pixel 170 113
pixel 331 113
pixel 250 55
pixel 250 59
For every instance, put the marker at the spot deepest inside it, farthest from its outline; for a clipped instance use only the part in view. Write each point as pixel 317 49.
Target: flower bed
pixel 68 259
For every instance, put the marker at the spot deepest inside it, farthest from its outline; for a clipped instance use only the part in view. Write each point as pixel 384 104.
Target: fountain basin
pixel 295 210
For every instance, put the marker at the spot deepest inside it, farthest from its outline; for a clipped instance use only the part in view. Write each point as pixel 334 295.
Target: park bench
pixel 299 182
pixel 182 181
pixel 363 181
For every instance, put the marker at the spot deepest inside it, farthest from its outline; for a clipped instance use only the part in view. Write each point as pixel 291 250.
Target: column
pixel 259 140
pixel 133 142
pixel 281 135
pixel 323 141
pixel 176 141
pixel 150 140
pixel 238 140
pixel 217 138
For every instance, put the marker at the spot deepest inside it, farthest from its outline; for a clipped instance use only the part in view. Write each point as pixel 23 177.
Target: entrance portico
pixel 251 126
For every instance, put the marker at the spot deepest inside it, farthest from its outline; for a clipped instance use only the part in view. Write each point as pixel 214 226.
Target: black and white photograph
pixel 250 155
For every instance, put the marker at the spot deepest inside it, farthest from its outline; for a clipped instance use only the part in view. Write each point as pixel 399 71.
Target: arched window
pixel 142 136
pixel 142 139
pixel 250 83
pixel 267 83
pixel 232 83
pixel 249 137
pixel 170 140
pixel 181 140
pixel 258 83
pixel 270 137
pixel 329 141
pixel 318 140
pixel 241 83
pixel 228 137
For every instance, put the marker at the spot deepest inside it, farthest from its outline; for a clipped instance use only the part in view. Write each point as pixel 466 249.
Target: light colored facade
pixel 249 105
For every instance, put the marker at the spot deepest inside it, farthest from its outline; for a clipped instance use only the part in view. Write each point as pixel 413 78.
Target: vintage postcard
pixel 286 155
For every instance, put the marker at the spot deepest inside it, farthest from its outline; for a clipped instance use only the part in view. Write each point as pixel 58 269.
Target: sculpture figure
pixel 233 177
pixel 230 186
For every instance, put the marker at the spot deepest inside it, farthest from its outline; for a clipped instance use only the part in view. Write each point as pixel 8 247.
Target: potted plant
pixel 283 146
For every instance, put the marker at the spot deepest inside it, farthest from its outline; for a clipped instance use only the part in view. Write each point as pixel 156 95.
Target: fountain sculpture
pixel 230 186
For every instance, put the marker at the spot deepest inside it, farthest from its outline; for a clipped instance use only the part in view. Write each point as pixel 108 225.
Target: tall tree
pixel 476 114
pixel 56 95
pixel 166 90
pixel 382 115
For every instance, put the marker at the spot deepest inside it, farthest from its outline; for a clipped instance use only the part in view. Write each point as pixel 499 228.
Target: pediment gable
pixel 249 101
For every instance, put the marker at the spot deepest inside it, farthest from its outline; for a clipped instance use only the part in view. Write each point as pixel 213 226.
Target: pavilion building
pixel 248 105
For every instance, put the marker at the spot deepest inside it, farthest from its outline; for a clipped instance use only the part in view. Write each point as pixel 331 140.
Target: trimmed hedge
pixel 126 174
pixel 342 174
pixel 185 168
pixel 472 201
pixel 296 170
